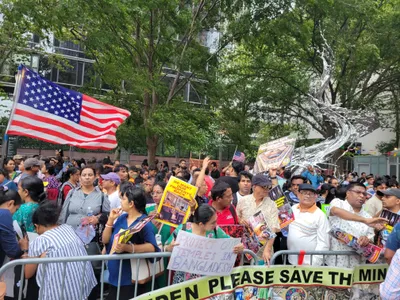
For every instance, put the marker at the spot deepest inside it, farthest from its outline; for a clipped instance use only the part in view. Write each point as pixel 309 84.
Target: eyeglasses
pixel 365 194
pixel 268 187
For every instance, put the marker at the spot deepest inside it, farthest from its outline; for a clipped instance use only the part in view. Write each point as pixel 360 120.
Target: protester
pixel 392 243
pixel 58 241
pixel 369 181
pixel 133 174
pixel 182 164
pixel 214 171
pixel 313 176
pixel 10 201
pixel 349 216
pixel 133 202
pixel 71 178
pixel 310 228
pixel 374 204
pixel 143 175
pixel 244 187
pixel 5 182
pixel 325 194
pixel 259 201
pixel 293 191
pixel 9 166
pixel 221 194
pixel 32 193
pixel 122 172
pixel 85 200
pixel 148 188
pixel 31 168
pixel 390 288
pixel 334 182
pixel 233 178
pixel 152 171
pixel 204 223
pixel 110 184
pixel 53 184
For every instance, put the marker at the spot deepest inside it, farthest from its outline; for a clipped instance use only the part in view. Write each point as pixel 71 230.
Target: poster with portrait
pixel 174 206
pixel 274 154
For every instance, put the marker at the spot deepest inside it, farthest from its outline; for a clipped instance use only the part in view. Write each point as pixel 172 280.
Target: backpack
pixel 60 200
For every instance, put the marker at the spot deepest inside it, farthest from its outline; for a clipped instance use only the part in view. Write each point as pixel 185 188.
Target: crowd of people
pixel 57 197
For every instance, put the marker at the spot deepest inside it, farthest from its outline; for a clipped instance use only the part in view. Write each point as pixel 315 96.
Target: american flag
pixel 239 156
pixel 46 111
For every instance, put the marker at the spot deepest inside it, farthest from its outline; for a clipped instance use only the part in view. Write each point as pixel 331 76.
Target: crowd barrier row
pixel 285 253
pixel 95 258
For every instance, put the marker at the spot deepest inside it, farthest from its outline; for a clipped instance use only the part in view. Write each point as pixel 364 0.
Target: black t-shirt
pixel 232 181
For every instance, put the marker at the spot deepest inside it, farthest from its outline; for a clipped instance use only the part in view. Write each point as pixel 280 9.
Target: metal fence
pixel 63 261
pixel 324 254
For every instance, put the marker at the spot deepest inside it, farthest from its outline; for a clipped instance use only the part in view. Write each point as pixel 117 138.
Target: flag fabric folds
pixel 239 156
pixel 52 113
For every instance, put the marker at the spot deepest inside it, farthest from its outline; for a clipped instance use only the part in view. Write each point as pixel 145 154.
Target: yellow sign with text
pixel 263 277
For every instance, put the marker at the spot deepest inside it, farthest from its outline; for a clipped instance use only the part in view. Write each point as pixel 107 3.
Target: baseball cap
pixel 18 156
pixel 31 162
pixel 307 187
pixel 392 192
pixel 261 180
pixel 111 176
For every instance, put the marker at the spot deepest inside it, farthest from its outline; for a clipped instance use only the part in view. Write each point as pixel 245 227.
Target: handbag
pixel 146 269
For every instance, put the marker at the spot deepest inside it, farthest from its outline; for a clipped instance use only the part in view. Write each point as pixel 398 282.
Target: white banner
pixel 204 256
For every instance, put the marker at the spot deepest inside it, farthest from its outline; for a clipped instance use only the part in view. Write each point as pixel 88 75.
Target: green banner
pixel 257 281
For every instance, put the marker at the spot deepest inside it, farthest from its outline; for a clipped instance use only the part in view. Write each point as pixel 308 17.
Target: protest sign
pixel 248 236
pixel 123 236
pixel 274 154
pixel 279 282
pixel 285 212
pixel 392 218
pixel 174 205
pixel 371 252
pixel 260 227
pixel 203 256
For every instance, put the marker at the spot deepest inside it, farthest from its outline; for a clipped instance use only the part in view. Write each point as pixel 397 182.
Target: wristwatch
pixel 25 251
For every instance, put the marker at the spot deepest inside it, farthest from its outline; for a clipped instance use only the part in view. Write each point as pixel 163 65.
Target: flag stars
pixel 48 102
pixel 24 101
pixel 35 105
pixel 41 104
pixel 56 112
pixel 33 92
pixel 49 96
pixel 31 99
pixel 29 77
pixel 33 83
pixel 76 120
pixel 26 94
pixel 65 116
pixel 44 89
pixel 50 87
pixel 38 90
pixel 27 85
pixel 37 98
pixel 43 97
pixel 46 109
pixel 55 93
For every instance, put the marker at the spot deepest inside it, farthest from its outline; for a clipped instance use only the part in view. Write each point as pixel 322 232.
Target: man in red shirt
pixel 222 196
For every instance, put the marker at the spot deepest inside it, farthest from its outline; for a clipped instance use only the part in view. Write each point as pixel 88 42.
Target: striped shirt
pixel 62 242
pixel 390 288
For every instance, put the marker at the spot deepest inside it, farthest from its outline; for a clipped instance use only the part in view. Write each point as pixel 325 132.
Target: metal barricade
pixel 324 254
pixel 90 258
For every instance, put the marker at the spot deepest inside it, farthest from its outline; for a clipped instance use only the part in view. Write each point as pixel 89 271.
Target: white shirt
pixel 356 229
pixel 309 232
pixel 115 201
pixel 373 205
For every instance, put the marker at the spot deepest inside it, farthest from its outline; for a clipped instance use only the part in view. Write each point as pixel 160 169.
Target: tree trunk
pixel 151 143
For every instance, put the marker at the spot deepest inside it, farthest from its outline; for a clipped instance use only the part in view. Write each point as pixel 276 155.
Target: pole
pixel 17 89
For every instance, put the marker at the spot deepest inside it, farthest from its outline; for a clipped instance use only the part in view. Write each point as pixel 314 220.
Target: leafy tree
pixel 146 52
pixel 278 49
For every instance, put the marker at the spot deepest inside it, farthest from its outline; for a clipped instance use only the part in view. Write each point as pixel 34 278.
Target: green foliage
pixel 385 147
pixel 277 56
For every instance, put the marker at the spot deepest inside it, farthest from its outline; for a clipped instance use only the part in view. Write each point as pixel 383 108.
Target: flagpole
pixel 234 153
pixel 17 89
